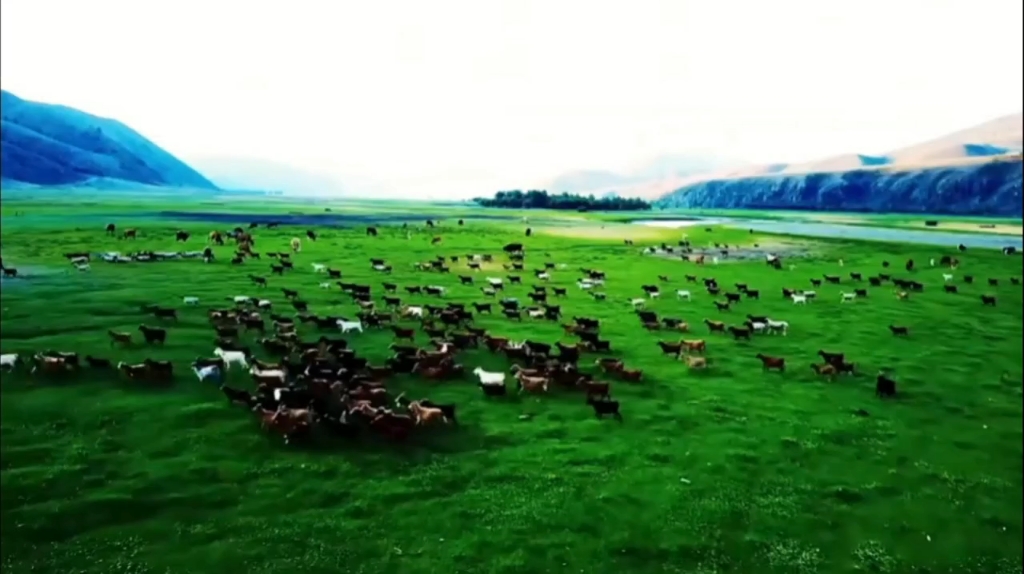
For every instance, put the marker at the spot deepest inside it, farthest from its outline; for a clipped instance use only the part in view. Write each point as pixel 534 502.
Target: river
pixel 844 231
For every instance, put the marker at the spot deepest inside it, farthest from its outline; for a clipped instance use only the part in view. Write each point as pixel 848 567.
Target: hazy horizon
pixel 453 98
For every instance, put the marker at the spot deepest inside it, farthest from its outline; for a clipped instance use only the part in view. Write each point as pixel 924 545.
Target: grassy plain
pixel 727 471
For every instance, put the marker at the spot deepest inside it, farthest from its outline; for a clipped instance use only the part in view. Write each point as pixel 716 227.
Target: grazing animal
pixel 899 330
pixel 768 363
pixel 417 312
pixel 295 244
pixel 276 375
pixel 153 334
pixel 349 326
pixel 799 299
pixel 235 396
pixel 493 390
pixel 683 294
pixel 884 386
pixel 693 362
pixel 532 384
pixel 489 378
pixel 824 369
pixel 694 346
pixel 777 326
pixel 756 326
pixel 10 361
pixel 231 357
pixel 119 338
pixel 594 388
pixel 671 348
pixel 740 333
pixel 831 358
pixel 631 374
pixel 989 300
pixel 604 407
pixel 715 326
pixel 190 300
pixel 847 296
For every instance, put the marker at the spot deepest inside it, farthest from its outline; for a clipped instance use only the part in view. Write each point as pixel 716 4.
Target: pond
pixel 843 231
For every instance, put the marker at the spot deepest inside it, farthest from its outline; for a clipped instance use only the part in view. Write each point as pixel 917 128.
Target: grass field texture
pixel 725 471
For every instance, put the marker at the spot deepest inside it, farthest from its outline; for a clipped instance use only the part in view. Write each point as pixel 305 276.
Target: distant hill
pixel 1004 133
pixel 650 180
pixel 973 171
pixel 587 181
pixel 258 174
pixel 48 144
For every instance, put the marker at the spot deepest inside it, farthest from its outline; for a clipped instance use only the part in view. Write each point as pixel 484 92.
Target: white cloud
pixel 463 97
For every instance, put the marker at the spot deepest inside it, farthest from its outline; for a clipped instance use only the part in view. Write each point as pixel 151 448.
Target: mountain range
pixel 998 138
pixel 662 168
pixel 47 144
pixel 976 171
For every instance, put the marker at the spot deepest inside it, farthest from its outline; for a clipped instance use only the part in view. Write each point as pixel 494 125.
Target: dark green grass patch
pixel 727 471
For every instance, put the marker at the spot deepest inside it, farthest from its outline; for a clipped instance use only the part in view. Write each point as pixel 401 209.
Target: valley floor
pixel 728 470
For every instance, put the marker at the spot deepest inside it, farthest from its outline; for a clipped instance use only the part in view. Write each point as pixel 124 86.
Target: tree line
pixel 541 199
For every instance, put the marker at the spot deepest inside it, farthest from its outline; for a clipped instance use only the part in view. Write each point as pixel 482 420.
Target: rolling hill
pixel 974 171
pixel 47 144
pixel 650 180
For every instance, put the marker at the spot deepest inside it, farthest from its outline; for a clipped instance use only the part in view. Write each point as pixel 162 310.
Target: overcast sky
pixel 470 96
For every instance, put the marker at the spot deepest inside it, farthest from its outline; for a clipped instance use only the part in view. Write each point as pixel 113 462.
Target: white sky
pixel 471 96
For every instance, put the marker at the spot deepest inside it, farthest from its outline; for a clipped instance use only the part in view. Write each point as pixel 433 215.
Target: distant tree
pixel 540 199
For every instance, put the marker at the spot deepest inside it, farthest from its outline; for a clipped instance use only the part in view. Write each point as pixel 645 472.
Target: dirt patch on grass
pixel 847 219
pixel 609 232
pixel 759 252
pixel 314 219
pixel 994 228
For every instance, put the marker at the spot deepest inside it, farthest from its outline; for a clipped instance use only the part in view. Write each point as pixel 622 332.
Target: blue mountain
pixel 46 144
pixel 985 189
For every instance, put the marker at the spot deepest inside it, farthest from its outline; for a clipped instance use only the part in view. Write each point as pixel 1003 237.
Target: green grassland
pixel 725 471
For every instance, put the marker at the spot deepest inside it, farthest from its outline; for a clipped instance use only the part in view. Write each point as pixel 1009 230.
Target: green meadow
pixel 728 470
